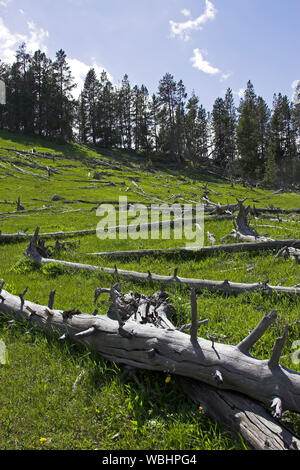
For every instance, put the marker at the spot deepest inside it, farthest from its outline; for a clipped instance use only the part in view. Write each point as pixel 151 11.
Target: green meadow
pixel 39 406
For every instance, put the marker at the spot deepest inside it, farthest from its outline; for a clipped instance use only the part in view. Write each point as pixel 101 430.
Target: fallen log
pixel 224 209
pixel 36 254
pixel 8 173
pixel 136 332
pixel 25 172
pixel 205 250
pixel 272 210
pixel 35 164
pixel 241 415
pixel 27 211
pixel 9 237
pixel 37 154
pixel 289 252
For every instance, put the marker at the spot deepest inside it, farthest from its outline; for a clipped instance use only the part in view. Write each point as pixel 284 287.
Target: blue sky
pixel 210 44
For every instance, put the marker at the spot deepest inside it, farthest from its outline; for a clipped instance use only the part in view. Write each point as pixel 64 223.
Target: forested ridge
pixel 250 141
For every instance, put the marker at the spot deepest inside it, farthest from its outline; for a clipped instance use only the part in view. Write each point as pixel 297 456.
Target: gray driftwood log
pixel 289 252
pixel 241 415
pixel 37 251
pixel 205 250
pixel 137 332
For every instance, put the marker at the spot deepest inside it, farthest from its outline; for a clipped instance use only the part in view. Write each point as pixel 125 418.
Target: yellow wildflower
pixel 43 439
pixel 168 379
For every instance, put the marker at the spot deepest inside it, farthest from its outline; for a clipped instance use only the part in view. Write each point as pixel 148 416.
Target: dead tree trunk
pixel 37 251
pixel 205 250
pixel 289 252
pixel 240 415
pixel 242 229
pixel 137 332
pixel 126 337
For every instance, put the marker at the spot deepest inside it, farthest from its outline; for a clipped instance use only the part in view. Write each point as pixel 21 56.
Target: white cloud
pixel 239 93
pixel 9 42
pixel 200 63
pixel 35 39
pixel 186 12
pixel 225 76
pixel 4 3
pixel 182 29
pixel 21 11
pixel 296 95
pixel 79 71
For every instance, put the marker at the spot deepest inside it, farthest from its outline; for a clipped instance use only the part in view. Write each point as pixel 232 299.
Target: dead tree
pixel 242 229
pixel 35 254
pixel 137 332
pixel 205 250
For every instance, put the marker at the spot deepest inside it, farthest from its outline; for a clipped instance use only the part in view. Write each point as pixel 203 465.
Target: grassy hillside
pixel 38 409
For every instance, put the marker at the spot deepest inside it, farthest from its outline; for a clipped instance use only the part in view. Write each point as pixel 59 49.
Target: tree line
pixel 250 140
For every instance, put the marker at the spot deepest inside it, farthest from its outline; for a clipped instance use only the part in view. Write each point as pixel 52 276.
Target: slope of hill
pixel 59 188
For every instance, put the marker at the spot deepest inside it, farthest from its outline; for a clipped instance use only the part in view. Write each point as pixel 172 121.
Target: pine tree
pixel 191 127
pixel 181 96
pixel 248 135
pixel 154 112
pixel 167 93
pixel 26 99
pixel 88 107
pixel 230 128
pixel 219 140
pixel 64 101
pixel 40 74
pixel 263 120
pixel 14 99
pixel 224 127
pixel 283 138
pixel 141 119
pixel 125 110
pixel 106 115
pixel 196 131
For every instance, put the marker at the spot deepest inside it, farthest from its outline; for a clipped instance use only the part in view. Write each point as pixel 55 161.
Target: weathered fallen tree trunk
pixel 35 164
pixel 7 237
pixel 37 154
pixel 277 219
pixel 272 210
pixel 125 336
pixel 36 251
pixel 289 252
pixel 206 250
pixel 241 415
pixel 27 211
pixel 25 172
pixel 61 234
pixel 225 209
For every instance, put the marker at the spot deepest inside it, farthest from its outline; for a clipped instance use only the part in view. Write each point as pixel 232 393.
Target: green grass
pixel 38 407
